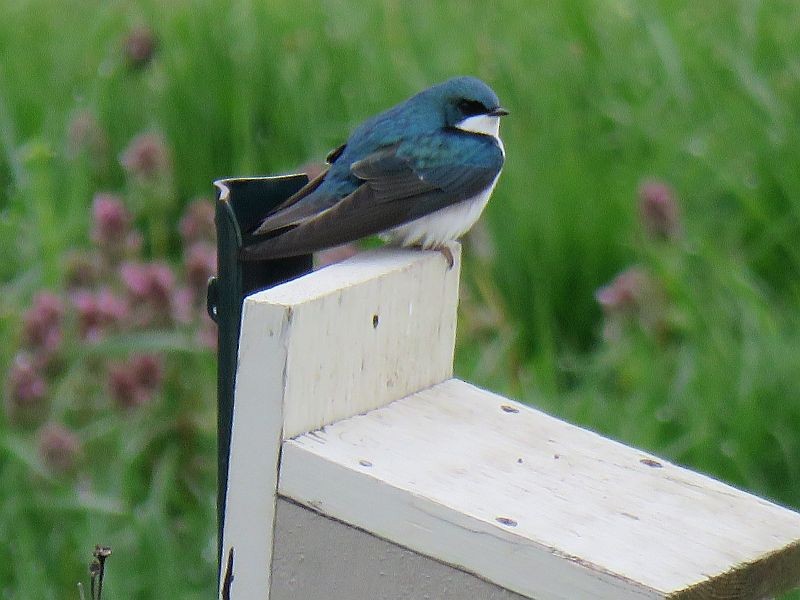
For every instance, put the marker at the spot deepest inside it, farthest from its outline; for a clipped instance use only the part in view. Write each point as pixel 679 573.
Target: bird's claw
pixel 448 255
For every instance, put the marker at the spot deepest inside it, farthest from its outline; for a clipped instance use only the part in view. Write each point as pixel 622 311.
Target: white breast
pixel 451 222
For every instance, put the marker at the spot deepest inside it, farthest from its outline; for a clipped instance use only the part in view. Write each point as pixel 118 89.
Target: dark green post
pixel 241 205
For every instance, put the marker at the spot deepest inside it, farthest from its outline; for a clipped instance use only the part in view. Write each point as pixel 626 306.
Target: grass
pixel 603 95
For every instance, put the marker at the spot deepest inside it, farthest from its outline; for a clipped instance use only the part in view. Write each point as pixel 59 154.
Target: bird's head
pixel 469 104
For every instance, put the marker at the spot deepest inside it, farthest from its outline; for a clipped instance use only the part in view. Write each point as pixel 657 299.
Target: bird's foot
pixel 447 254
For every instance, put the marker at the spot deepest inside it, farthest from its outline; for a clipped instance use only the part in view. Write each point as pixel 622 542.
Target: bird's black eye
pixel 470 108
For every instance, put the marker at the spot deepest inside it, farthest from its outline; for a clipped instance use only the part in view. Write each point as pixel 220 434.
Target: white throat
pixel 485 124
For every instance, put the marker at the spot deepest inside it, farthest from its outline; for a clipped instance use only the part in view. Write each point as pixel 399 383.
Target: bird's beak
pixel 498 112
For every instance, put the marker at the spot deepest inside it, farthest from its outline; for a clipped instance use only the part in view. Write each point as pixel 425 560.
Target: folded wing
pixel 401 183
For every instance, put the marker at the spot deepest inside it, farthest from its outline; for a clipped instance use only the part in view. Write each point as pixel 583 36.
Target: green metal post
pixel 241 205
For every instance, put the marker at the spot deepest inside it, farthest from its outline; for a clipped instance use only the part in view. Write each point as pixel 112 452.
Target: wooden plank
pixel 539 506
pixel 365 332
pixel 256 432
pixel 337 342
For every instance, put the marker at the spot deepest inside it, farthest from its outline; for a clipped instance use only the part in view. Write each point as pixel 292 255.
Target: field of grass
pixel 694 354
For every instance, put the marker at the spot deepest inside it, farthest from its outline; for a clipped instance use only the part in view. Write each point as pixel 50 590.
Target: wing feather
pixel 291 210
pixel 401 182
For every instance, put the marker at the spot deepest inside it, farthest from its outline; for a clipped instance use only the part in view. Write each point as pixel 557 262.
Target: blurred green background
pixel 693 353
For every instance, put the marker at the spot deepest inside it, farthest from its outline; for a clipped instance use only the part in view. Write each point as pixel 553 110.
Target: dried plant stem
pixel 97 570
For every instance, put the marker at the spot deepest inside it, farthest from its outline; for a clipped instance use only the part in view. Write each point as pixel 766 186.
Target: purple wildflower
pixel 200 262
pixel 26 389
pixel 82 270
pixel 133 383
pixel 151 287
pixel 183 305
pixel 148 371
pixel 41 331
pixel 122 386
pixel 146 157
pixel 632 296
pixel 197 222
pixel 140 46
pixel 111 220
pixel 625 293
pixel 99 312
pixel 659 211
pixel 59 448
pixel 111 229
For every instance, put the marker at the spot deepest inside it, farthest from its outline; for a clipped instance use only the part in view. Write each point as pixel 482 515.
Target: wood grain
pixel 539 506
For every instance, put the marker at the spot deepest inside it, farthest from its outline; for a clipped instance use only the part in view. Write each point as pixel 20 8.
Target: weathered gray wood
pixel 318 558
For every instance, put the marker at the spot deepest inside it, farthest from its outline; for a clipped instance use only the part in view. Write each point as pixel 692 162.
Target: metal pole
pixel 240 206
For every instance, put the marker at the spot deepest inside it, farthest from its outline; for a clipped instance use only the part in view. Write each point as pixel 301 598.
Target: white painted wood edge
pixel 539 506
pixel 362 268
pixel 255 448
pixel 435 530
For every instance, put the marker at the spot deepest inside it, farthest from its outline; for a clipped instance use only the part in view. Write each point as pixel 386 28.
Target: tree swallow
pixel 419 174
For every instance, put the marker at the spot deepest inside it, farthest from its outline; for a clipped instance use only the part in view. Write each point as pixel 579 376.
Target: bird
pixel 418 174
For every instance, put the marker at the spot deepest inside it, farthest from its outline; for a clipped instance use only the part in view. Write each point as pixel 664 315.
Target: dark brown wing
pixel 283 215
pixel 278 217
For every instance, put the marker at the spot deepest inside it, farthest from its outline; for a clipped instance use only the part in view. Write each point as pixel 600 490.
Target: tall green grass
pixel 603 95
